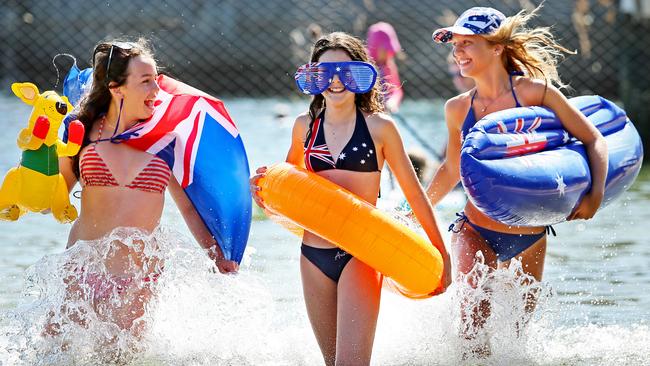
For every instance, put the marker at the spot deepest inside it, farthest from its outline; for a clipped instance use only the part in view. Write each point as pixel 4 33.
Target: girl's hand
pixel 223 265
pixel 446 274
pixel 259 173
pixel 226 266
pixel 587 207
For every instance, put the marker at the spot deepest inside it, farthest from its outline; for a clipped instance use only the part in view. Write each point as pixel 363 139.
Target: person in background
pixel 301 39
pixel 384 48
pixel 461 83
pixel 421 164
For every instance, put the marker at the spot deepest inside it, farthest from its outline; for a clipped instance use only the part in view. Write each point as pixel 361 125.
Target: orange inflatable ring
pixel 354 225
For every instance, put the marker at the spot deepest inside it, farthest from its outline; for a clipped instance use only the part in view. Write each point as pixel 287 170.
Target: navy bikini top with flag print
pixel 358 155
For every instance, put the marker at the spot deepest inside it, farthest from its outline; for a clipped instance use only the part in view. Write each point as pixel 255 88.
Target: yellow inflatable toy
pixel 36 184
pixel 339 216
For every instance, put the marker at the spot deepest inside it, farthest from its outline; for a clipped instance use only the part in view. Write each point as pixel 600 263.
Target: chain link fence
pixel 251 48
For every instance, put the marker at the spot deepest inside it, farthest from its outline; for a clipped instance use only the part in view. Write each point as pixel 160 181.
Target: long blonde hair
pixel 533 51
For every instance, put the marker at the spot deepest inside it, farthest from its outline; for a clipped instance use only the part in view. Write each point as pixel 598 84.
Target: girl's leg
pixel 127 295
pixel 320 298
pixel 73 293
pixel 359 292
pixel 128 314
pixel 532 263
pixel 474 311
pixel 465 245
pixel 532 259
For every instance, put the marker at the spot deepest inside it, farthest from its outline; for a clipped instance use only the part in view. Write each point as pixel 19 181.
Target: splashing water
pixel 198 317
pixel 494 309
pixel 596 314
pixel 73 305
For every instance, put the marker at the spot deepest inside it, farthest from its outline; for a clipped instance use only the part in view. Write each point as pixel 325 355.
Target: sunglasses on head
pixel 356 76
pixel 120 46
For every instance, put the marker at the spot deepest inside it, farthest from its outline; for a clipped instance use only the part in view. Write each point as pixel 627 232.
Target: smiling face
pixel 336 93
pixel 53 106
pixel 140 89
pixel 473 54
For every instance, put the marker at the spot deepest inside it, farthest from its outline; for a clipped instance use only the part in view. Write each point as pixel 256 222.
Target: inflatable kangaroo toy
pixel 36 184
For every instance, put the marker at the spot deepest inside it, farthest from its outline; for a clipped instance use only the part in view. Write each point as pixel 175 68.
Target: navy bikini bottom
pixel 506 246
pixel 330 261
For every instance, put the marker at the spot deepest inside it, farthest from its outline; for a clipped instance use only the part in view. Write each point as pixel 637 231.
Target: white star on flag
pixel 560 184
pixel 565 137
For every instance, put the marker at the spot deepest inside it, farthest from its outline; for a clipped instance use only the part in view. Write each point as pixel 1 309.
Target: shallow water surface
pixel 594 307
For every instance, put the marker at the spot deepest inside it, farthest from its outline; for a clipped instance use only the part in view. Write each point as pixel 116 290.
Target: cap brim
pixel 444 35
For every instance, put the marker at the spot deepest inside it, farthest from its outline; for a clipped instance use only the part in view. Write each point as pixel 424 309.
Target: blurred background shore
pixel 251 48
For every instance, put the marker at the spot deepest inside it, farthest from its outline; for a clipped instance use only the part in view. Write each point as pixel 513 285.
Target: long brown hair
pixel 370 102
pixel 531 50
pixel 99 97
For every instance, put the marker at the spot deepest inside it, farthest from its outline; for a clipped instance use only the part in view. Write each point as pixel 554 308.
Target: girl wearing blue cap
pixel 512 66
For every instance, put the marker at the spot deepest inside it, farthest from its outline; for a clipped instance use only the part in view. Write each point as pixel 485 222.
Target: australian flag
pixel 194 134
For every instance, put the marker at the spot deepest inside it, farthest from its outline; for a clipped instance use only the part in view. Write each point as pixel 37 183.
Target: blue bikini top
pixel 470 118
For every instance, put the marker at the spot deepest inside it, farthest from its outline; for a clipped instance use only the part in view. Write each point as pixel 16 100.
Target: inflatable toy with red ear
pixel 36 184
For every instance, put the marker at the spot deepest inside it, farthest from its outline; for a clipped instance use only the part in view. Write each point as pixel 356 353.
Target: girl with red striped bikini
pixel 121 187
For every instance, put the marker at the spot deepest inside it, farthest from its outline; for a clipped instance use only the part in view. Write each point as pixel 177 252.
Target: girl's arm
pixel 397 158
pixel 448 173
pixel 294 156
pixel 596 146
pixel 65 168
pixel 198 228
pixel 298 135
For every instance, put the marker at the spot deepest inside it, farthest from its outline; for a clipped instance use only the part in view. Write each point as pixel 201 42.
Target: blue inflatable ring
pixel 520 167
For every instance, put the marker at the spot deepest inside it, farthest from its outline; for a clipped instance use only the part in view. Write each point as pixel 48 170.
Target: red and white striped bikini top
pixel 94 172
